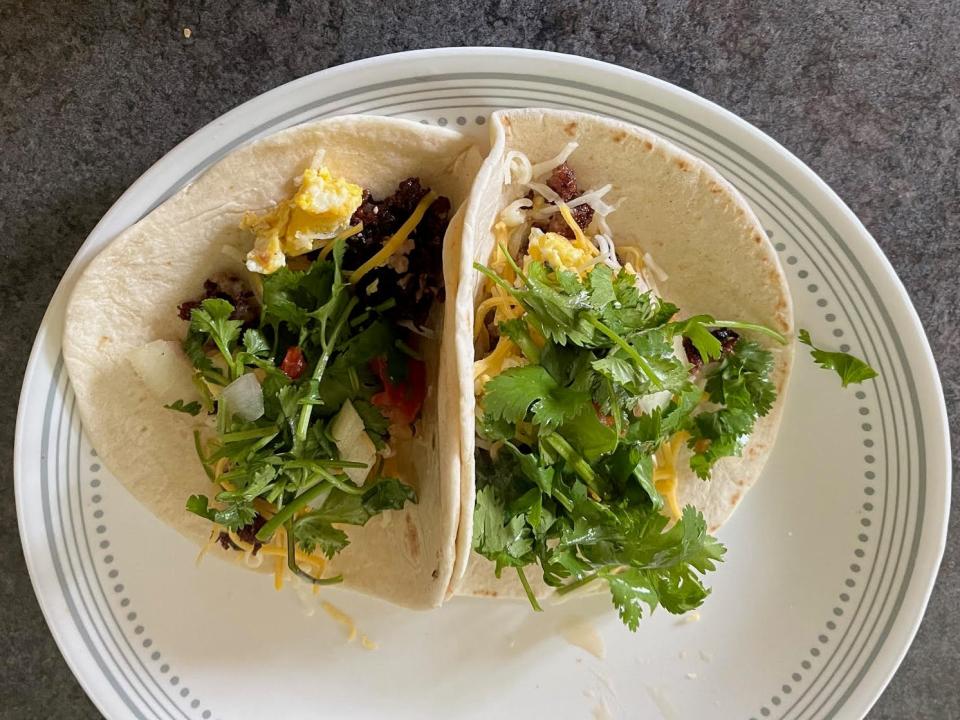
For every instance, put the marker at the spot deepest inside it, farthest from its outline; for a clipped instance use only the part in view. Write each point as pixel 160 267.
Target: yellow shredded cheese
pixel 507 308
pixel 665 472
pixel 341 617
pixel 207 547
pixel 492 364
pixel 278 567
pixel 352 633
pixel 396 240
pixel 274 551
pixel 327 245
pixel 579 239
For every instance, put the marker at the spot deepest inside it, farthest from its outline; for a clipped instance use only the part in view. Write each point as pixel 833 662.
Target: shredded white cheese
pixel 542 168
pixel 516 168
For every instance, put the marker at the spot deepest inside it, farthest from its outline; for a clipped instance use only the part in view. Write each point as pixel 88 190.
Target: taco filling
pixel 310 371
pixel 588 386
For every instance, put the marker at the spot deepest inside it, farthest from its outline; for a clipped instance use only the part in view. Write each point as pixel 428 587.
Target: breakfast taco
pixel 623 349
pixel 258 359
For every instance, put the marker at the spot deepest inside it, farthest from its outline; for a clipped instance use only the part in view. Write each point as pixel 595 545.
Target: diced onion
pixel 244 397
pixel 165 371
pixel 512 215
pixel 352 442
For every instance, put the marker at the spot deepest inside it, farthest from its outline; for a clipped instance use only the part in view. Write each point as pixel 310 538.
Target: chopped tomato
pixel 293 363
pixel 603 417
pixel 401 402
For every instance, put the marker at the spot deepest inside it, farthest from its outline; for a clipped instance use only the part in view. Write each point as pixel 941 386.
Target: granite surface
pixel 866 93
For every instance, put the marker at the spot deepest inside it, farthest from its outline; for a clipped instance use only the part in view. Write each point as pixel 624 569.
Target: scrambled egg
pixel 320 209
pixel 558 251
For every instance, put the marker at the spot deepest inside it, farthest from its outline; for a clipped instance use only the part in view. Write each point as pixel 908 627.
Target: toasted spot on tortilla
pixel 435 574
pixel 715 188
pixel 683 164
pixel 103 341
pixel 505 121
pixel 647 145
pixel 735 498
pixel 619 136
pixel 570 128
pixel 757 239
pixel 412 537
pixel 485 593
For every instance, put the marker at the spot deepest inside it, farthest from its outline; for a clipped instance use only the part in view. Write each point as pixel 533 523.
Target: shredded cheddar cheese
pixel 506 309
pixel 396 240
pixel 665 472
pixel 493 364
pixel 273 551
pixel 341 617
pixel 326 246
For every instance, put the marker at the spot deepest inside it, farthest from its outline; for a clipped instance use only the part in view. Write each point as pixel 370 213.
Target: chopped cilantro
pixel 570 489
pixel 287 458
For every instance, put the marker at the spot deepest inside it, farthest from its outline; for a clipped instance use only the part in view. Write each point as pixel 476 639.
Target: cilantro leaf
pixel 631 310
pixel 312 532
pixel 191 408
pixel 255 343
pixel 851 369
pixel 517 331
pixel 315 529
pixel 374 422
pixel 200 505
pixel 509 543
pixel 290 295
pixel 630 590
pixel 253 485
pixel 741 385
pixel 235 515
pixel 212 319
pixel 586 431
pixel 697 329
pixel 509 396
pixel 194 348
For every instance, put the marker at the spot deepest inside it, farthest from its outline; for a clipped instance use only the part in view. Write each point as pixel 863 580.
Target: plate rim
pixel 928 562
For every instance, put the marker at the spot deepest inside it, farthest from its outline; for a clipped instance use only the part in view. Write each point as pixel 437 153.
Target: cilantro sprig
pixel 285 466
pixel 851 370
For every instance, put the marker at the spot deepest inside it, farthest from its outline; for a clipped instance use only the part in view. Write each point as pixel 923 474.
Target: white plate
pixel 831 558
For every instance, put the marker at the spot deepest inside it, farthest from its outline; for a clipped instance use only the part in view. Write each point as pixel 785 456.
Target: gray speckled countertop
pixel 866 93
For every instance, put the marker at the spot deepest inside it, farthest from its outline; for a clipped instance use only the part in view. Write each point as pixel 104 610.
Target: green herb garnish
pixel 851 370
pixel 286 458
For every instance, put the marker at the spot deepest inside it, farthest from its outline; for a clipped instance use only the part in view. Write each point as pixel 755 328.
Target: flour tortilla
pixel 695 226
pixel 128 297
